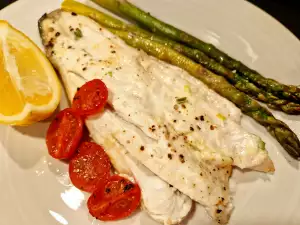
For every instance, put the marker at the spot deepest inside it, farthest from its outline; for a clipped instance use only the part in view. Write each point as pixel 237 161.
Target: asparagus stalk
pixel 127 9
pixel 250 107
pixel 285 136
pixel 238 81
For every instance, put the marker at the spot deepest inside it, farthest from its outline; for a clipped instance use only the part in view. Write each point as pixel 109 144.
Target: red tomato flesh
pixel 115 200
pixel 90 167
pixel 91 98
pixel 64 134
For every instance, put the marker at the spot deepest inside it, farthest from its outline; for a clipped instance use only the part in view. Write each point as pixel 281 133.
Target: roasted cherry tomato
pixel 64 134
pixel 91 98
pixel 90 167
pixel 115 200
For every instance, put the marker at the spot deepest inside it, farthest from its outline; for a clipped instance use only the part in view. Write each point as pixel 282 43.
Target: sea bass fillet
pixel 163 118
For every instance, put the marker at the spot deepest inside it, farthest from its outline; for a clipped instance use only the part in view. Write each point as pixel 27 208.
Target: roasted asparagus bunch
pixel 125 8
pixel 234 78
pixel 138 38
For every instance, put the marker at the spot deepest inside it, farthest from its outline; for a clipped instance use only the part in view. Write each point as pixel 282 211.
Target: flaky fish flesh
pixel 161 123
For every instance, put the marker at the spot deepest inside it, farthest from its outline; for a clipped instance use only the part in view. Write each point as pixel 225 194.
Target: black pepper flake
pixel 224 188
pixel 100 28
pixel 174 121
pixel 170 156
pixel 57 34
pixel 185 138
pixel 183 106
pixel 191 128
pixel 201 174
pixel 196 118
pixel 78 88
pixel 222 199
pixel 219 211
pixel 142 148
pixel 74 14
pixel 181 100
pixel 181 158
pixel 113 52
pixel 199 128
pixel 128 142
pixel 69 47
pixel 84 68
pixel 107 190
pixel 50 44
pixel 128 187
pixel 169 145
pixel 212 127
pixel 85 55
pixel 170 185
pixel 202 118
pixel 151 156
pixel 214 169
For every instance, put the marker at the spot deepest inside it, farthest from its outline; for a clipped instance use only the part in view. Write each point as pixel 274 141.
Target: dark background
pixel 286 11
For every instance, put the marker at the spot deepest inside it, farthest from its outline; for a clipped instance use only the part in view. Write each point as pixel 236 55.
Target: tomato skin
pixel 91 98
pixel 115 200
pixel 64 134
pixel 90 167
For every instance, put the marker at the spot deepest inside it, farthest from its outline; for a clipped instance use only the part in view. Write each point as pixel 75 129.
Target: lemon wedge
pixel 29 88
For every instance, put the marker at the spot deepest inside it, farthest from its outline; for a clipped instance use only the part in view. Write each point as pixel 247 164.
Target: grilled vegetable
pixel 277 128
pixel 284 135
pixel 238 81
pixel 129 10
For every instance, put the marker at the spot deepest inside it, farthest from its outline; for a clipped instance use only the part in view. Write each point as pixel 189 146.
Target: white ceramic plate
pixel 34 189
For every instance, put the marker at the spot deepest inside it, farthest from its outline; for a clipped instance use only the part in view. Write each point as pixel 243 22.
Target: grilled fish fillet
pixel 160 116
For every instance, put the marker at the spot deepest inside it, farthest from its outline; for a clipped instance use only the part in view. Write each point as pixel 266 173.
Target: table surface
pixel 285 11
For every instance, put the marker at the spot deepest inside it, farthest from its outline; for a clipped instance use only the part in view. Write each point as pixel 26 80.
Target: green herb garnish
pixel 109 73
pixel 78 34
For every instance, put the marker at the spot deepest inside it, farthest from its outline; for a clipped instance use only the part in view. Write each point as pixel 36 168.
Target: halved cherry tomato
pixel 64 134
pixel 90 98
pixel 115 200
pixel 90 167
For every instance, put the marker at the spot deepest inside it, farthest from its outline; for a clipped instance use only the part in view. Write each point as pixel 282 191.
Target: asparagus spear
pixel 127 9
pixel 250 107
pixel 196 55
pixel 285 136
pixel 238 81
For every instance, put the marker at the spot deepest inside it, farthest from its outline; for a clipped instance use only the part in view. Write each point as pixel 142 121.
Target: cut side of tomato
pixel 64 134
pixel 91 98
pixel 90 167
pixel 115 200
